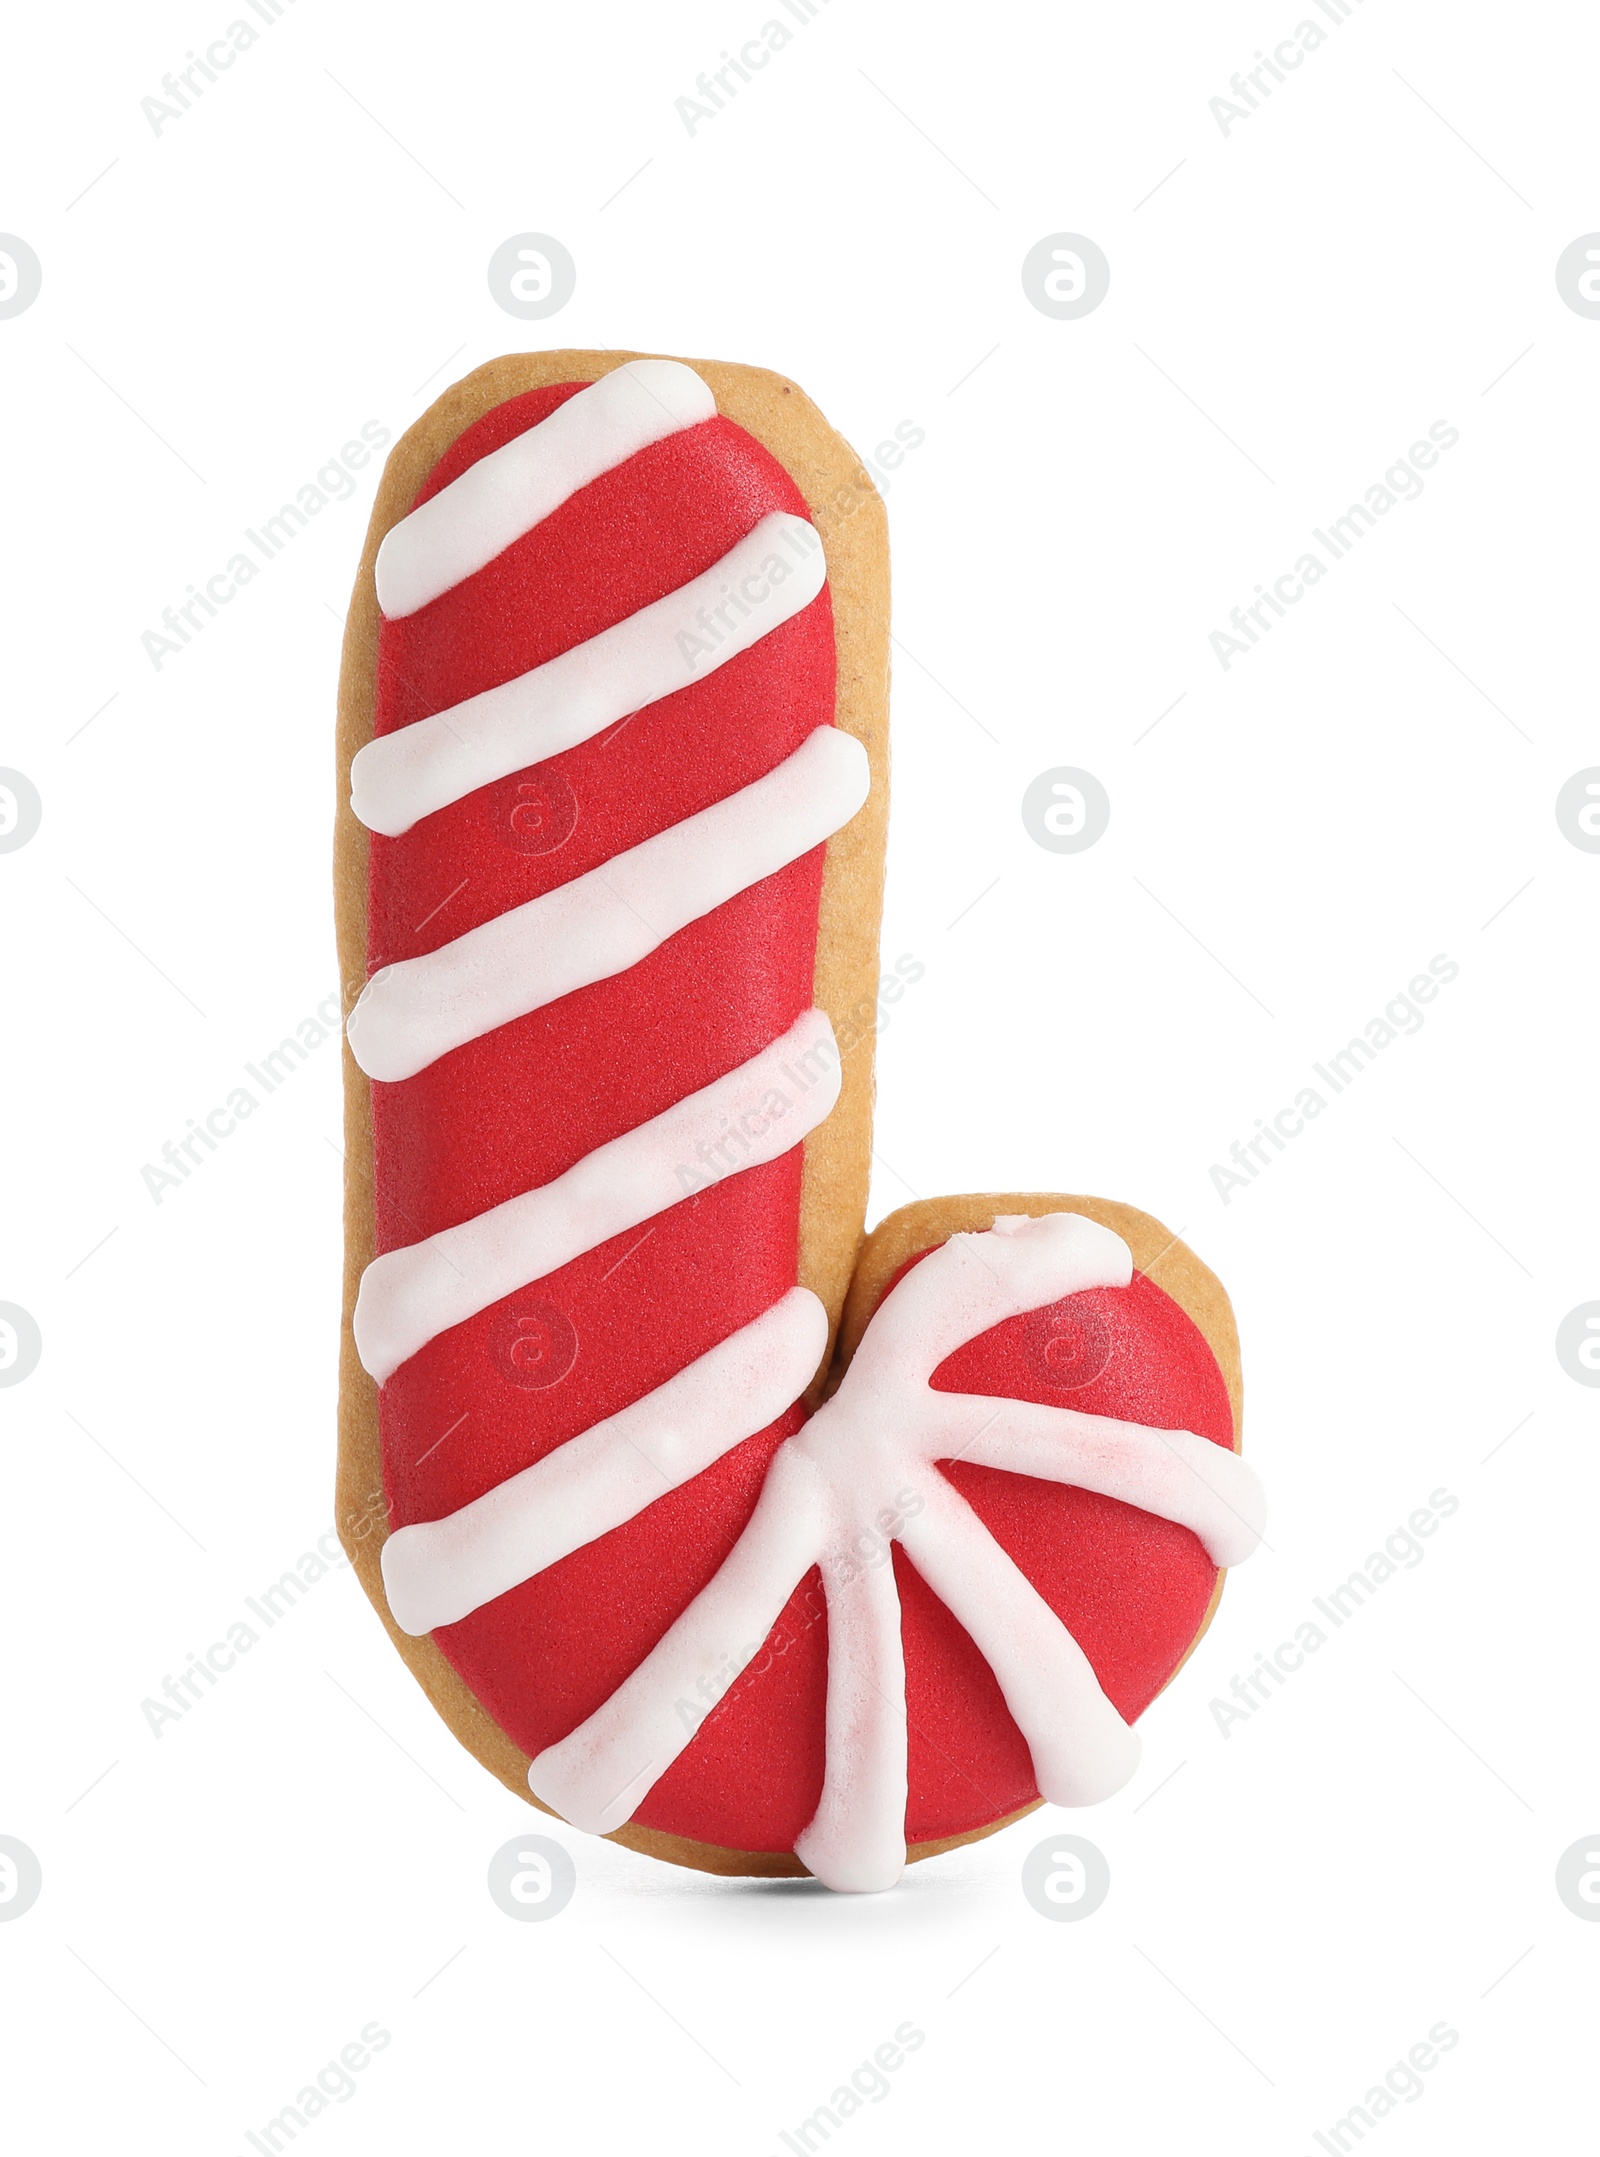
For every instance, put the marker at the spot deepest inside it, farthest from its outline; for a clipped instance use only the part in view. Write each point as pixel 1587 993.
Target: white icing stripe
pixel 603 922
pixel 435 1572
pixel 1205 1488
pixel 861 1475
pixel 751 1116
pixel 599 1776
pixel 773 572
pixel 1082 1749
pixel 514 488
pixel 974 1282
pixel 856 1839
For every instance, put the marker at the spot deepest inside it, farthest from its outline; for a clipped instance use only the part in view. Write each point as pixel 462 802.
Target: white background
pixel 226 1906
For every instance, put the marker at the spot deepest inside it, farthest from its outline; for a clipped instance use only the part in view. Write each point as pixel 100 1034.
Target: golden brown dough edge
pixel 848 512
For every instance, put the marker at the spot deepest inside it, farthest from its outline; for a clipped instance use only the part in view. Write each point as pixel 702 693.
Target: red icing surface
pixel 1131 1588
pixel 516 1108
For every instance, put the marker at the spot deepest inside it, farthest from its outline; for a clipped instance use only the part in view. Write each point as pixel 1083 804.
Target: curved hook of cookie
pixel 886 1432
pixel 862 1475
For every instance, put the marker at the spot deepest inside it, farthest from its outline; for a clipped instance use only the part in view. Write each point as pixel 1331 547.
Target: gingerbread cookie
pixel 613 727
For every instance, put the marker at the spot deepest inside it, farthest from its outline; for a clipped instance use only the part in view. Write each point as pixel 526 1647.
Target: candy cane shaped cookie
pixel 609 867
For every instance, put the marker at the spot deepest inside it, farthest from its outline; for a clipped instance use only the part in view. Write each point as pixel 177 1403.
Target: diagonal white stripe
pixel 438 1571
pixel 515 487
pixel 774 571
pixel 1082 1749
pixel 602 923
pixel 1172 1473
pixel 751 1116
pixel 599 1774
